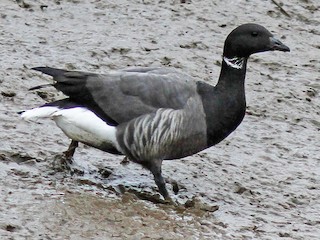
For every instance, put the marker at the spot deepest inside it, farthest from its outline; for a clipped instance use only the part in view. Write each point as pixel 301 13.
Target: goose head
pixel 251 38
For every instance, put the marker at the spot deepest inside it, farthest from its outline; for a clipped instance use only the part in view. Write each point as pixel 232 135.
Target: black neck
pixel 224 101
pixel 230 76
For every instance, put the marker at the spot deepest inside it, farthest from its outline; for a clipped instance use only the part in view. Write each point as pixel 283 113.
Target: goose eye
pixel 254 34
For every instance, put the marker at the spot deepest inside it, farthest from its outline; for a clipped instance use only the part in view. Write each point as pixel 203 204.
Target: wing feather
pixel 120 96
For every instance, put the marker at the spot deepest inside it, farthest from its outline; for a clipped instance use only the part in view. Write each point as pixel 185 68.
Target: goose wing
pixel 120 96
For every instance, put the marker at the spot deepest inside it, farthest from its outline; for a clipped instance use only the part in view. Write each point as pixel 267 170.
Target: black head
pixel 251 38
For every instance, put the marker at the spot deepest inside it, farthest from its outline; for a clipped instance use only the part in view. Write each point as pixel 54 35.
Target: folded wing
pixel 121 96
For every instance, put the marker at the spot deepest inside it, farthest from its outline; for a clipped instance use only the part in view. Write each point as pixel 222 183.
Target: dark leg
pixel 125 161
pixel 70 152
pixel 155 168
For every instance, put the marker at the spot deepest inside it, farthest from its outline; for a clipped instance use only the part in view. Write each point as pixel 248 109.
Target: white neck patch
pixel 235 62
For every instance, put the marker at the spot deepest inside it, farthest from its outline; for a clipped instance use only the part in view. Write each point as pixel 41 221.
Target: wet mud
pixel 260 183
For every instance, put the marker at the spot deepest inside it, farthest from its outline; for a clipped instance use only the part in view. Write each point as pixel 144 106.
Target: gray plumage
pixel 154 114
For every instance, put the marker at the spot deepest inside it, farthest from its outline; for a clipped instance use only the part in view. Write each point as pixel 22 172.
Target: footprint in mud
pixel 10 227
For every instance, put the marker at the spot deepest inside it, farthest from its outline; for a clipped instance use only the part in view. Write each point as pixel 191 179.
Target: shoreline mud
pixel 264 179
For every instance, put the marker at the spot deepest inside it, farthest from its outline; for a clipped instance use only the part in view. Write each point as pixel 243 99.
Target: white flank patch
pixel 235 62
pixel 82 125
pixel 41 112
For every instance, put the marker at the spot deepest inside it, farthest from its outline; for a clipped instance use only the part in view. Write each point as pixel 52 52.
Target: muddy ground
pixel 264 178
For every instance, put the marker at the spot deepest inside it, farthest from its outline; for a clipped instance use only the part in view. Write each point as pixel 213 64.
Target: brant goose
pixel 155 114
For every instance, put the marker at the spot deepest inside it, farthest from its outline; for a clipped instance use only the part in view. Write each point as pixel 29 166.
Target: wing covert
pixel 127 95
pixel 120 96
